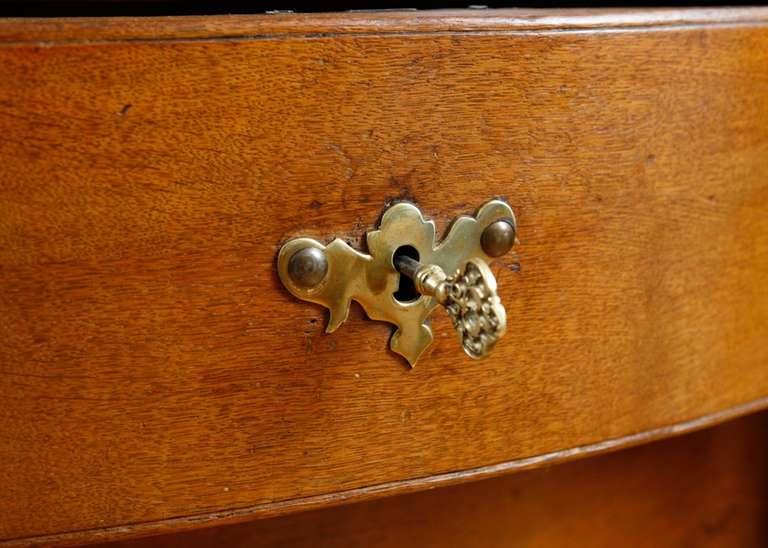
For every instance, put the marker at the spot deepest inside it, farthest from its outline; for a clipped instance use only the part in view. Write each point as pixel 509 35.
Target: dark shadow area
pixel 104 8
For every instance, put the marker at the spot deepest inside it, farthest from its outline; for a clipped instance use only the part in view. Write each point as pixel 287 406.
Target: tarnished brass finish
pixel 470 298
pixel 372 279
pixel 307 267
pixel 498 238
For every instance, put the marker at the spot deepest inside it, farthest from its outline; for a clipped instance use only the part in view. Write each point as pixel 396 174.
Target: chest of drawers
pixel 156 375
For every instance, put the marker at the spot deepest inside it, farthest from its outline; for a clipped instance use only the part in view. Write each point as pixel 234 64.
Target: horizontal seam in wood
pixel 276 508
pixel 381 34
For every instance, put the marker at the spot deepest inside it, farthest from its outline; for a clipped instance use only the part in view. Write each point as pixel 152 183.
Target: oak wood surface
pixel 706 490
pixel 151 365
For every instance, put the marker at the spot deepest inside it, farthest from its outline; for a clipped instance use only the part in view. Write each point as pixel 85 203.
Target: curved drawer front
pixel 152 366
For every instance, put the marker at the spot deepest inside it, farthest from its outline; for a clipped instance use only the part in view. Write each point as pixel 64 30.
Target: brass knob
pixel 469 296
pixel 308 266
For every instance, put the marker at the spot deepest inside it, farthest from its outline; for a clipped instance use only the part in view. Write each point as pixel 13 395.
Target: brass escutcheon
pixel 453 273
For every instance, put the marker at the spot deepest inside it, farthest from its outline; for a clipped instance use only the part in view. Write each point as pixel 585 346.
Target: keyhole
pixel 406 291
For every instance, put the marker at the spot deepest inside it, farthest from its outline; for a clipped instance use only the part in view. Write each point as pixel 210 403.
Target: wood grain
pixel 100 29
pixel 153 367
pixel 269 510
pixel 704 490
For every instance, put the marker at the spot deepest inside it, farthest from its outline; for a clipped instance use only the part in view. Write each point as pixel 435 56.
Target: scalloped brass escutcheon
pixel 453 273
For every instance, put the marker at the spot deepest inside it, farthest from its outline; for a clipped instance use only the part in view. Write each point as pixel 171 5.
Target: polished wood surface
pixel 705 490
pixel 79 30
pixel 154 369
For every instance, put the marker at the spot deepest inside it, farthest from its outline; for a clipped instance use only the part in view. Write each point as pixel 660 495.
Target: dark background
pixel 63 8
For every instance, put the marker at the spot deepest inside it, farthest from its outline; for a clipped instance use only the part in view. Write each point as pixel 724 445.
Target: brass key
pixel 469 296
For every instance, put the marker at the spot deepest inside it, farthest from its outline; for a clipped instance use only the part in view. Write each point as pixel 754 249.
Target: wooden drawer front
pixel 153 367
pixel 706 489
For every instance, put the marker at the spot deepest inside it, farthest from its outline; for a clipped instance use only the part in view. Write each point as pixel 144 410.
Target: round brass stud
pixel 498 238
pixel 307 267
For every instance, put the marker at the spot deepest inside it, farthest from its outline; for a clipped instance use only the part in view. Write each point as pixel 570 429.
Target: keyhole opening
pixel 406 291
